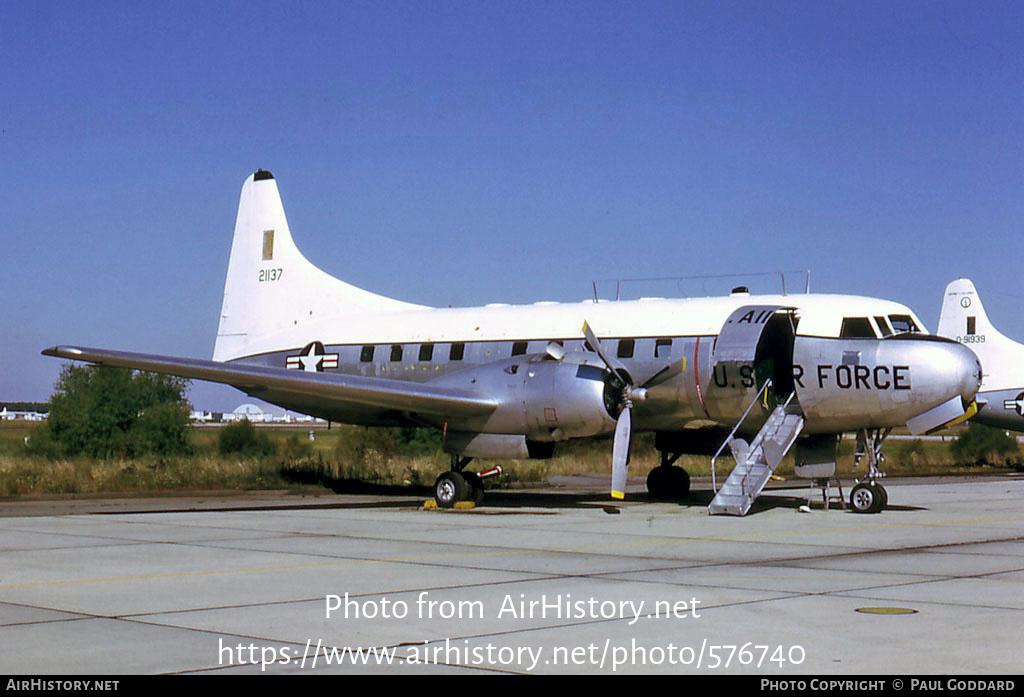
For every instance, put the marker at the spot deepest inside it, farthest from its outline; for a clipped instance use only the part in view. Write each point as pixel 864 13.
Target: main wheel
pixel 476 487
pixel 669 482
pixel 865 498
pixel 450 488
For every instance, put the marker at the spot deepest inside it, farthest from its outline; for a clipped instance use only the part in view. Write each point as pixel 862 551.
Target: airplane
pixel 1001 396
pixel 792 372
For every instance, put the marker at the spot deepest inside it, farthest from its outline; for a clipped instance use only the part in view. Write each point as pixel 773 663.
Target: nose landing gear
pixel 868 496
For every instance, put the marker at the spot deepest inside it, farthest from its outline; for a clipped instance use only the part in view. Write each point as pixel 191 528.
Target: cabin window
pixel 902 323
pixel 456 352
pixel 626 347
pixel 883 326
pixel 519 348
pixel 856 328
pixel 396 353
pixel 663 348
pixel 366 355
pixel 426 352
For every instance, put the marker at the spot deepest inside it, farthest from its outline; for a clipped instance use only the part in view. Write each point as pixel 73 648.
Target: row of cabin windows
pixel 457 351
pixel 862 328
pixel 852 328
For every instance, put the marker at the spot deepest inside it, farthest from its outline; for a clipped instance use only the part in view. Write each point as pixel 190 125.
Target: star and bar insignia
pixel 1015 404
pixel 313 359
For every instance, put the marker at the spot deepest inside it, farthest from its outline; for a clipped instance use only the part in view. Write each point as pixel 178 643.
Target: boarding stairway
pixel 756 461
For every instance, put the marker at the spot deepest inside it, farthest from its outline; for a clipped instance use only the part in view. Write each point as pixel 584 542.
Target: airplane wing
pixel 331 391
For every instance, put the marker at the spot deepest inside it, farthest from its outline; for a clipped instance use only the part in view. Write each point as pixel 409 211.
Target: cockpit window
pixel 856 328
pixel 883 326
pixel 903 323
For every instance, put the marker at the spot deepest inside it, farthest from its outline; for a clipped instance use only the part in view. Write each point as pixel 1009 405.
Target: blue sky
pixel 471 152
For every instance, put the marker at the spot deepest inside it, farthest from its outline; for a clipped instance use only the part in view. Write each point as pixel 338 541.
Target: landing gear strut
pixel 668 481
pixel 458 485
pixel 868 496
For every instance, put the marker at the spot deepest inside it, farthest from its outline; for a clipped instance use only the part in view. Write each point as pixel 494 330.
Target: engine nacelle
pixel 572 398
pixel 496 446
pixel 544 399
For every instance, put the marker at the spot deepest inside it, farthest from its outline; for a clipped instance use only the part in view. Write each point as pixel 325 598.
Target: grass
pixel 386 457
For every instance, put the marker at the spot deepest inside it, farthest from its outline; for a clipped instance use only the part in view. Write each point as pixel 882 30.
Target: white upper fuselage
pixel 820 315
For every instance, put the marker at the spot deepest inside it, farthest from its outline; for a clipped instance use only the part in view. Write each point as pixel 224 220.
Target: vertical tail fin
pixel 964 319
pixel 271 288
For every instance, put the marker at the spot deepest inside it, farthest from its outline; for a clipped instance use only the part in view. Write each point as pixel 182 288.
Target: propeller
pixel 629 393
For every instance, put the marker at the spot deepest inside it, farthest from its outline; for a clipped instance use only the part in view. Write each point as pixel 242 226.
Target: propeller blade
pixel 624 425
pixel 663 375
pixel 620 452
pixel 614 365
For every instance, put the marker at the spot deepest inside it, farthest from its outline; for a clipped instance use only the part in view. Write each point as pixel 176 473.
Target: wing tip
pixel 62 351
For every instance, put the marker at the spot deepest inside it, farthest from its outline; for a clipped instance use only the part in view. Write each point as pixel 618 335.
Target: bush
pixel 362 450
pixel 911 454
pixel 296 449
pixel 985 445
pixel 414 441
pixel 115 412
pixel 242 438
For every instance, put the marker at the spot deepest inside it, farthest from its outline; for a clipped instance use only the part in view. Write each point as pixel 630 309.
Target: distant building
pixel 251 413
pixel 6 415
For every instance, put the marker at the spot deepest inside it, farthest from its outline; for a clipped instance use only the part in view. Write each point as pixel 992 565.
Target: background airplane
pixel 1001 396
pixel 513 381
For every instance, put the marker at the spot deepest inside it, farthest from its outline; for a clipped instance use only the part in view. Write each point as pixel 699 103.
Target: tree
pixel 115 412
pixel 981 444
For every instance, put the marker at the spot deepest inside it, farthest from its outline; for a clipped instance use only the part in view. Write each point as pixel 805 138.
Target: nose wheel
pixel 868 497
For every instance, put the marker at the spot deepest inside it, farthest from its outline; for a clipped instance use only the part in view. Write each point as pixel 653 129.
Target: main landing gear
pixel 668 481
pixel 458 485
pixel 868 496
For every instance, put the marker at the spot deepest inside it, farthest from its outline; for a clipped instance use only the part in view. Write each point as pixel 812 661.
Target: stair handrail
pixel 755 400
pixel 746 475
